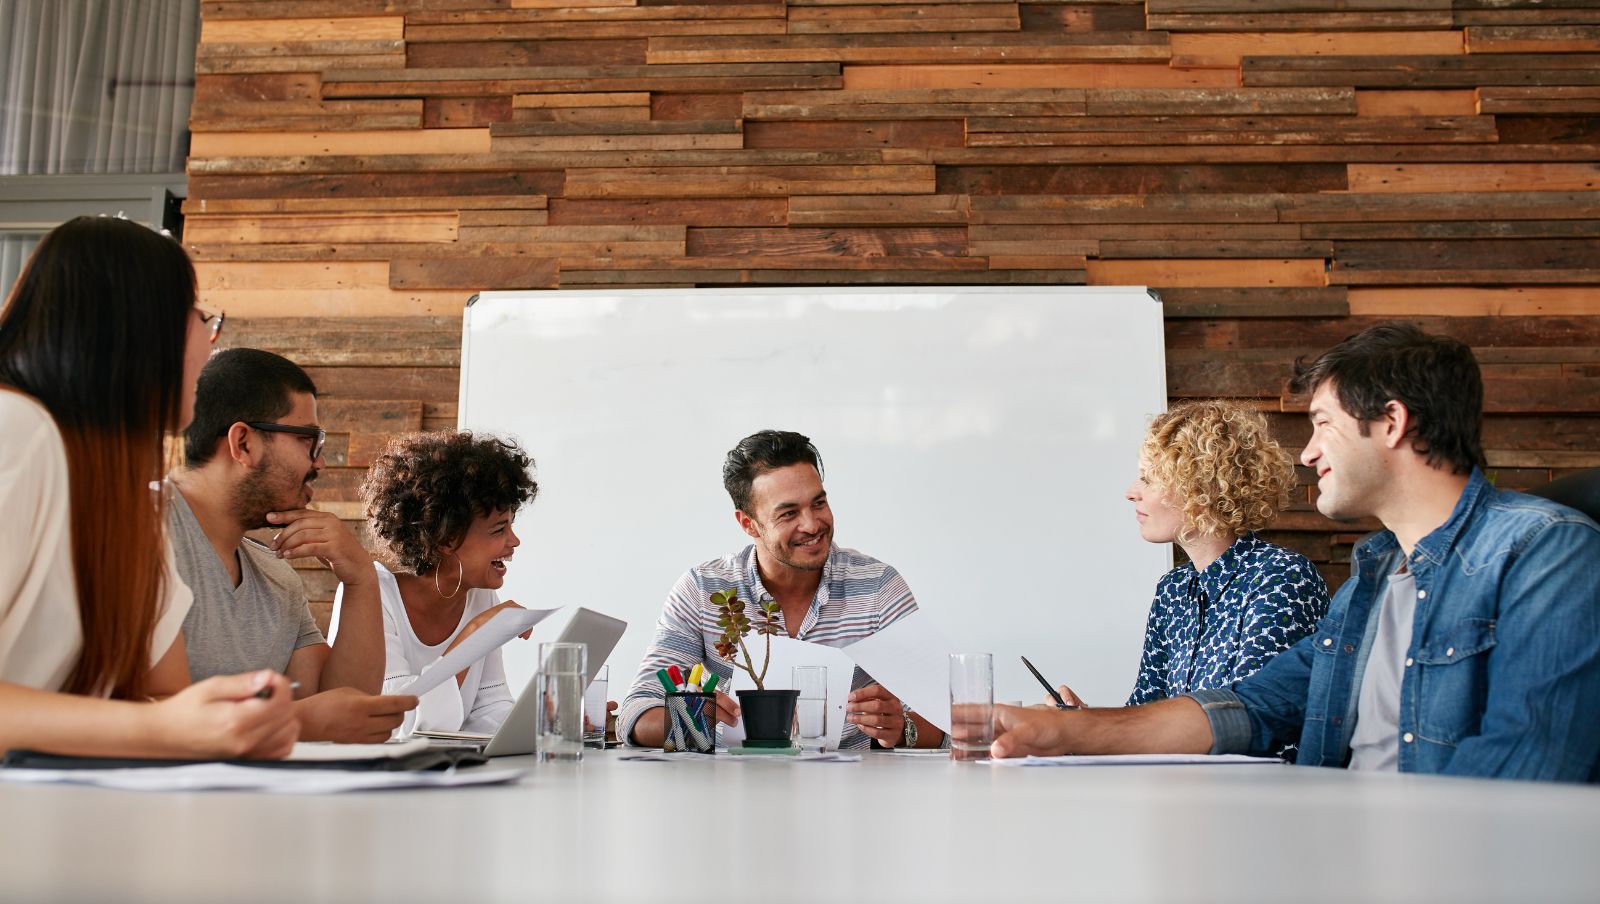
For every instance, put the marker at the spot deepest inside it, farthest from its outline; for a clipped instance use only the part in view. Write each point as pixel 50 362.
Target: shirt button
pixel 1349 648
pixel 1450 652
pixel 1338 720
pixel 1409 662
pixel 1407 737
pixel 1327 641
pixel 1422 594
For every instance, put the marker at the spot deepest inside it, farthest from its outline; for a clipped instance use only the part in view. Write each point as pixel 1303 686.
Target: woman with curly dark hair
pixel 441 506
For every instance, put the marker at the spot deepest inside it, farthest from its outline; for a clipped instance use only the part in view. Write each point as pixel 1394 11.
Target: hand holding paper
pixel 911 658
pixel 505 624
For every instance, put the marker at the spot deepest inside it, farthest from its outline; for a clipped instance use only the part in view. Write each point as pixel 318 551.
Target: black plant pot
pixel 768 717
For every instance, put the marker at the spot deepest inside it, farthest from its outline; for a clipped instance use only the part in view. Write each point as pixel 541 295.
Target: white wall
pixel 978 439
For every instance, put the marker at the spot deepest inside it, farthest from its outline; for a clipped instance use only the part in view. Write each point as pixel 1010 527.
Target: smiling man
pixel 1467 639
pixel 251 457
pixel 826 595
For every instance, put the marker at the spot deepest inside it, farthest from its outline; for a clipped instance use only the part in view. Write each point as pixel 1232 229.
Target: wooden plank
pixel 1234 248
pixel 664 107
pixel 1414 20
pixel 1082 180
pixel 690 212
pixel 878 49
pixel 499 25
pixel 370 28
pixel 1142 232
pixel 943 18
pixel 1542 99
pixel 427 384
pixel 1031 75
pixel 910 242
pixel 1440 177
pixel 796 262
pixel 305 62
pixel 622 50
pixel 755 181
pixel 1222 207
pixel 1468 229
pixel 618 99
pixel 1462 277
pixel 474 273
pixel 350 204
pixel 226 90
pixel 1393 206
pixel 1200 273
pixel 583 114
pixel 1325 301
pixel 876 210
pixel 1428 71
pixel 494 217
pixel 1533 39
pixel 1417 103
pixel 1218 101
pixel 1227 49
pixel 431 39
pixel 523 161
pixel 346 227
pixel 1513 301
pixel 903 104
pixel 1274 131
pixel 611 141
pixel 1470 254
pixel 299 9
pixel 404 141
pixel 465 112
pixel 471 82
pixel 856 134
pixel 1187 155
pixel 1074 18
pixel 304 289
pixel 1558 332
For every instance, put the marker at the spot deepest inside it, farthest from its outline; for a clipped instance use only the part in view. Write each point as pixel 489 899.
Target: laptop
pixel 598 632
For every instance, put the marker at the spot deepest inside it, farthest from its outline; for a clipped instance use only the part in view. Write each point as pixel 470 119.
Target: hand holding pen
pixel 1063 696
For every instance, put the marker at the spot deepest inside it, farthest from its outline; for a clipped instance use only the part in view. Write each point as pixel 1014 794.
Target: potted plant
pixel 768 714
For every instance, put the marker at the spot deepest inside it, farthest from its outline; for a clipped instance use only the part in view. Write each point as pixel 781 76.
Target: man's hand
pixel 1067 697
pixel 588 723
pixel 1029 731
pixel 306 532
pixel 225 717
pixel 878 712
pixel 348 716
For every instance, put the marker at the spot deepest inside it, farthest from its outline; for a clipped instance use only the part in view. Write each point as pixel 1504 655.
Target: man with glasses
pixel 251 456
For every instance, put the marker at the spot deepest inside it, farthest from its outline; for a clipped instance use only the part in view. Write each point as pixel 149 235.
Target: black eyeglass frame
pixel 318 435
pixel 213 319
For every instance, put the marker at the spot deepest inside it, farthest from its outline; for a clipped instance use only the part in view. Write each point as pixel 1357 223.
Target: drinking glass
pixel 971 705
pixel 562 676
pixel 594 708
pixel 811 710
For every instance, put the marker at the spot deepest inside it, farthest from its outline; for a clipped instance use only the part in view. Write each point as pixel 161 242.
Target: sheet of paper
pixel 656 756
pixel 1143 759
pixel 786 654
pixel 506 624
pixel 911 659
pixel 224 777
pixel 325 751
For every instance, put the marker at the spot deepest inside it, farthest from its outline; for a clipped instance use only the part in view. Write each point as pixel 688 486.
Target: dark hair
pixel 424 489
pixel 239 384
pixel 761 452
pixel 95 330
pixel 1435 377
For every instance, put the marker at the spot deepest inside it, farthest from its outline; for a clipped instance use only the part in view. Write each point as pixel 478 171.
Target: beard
pixel 259 493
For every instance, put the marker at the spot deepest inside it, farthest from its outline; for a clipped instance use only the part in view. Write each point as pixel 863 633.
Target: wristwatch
pixel 910 738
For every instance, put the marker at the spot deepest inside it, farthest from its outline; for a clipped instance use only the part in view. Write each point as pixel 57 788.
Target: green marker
pixel 710 685
pixel 666 681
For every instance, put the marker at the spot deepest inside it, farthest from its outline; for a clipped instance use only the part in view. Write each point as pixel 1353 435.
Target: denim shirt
pixel 1503 670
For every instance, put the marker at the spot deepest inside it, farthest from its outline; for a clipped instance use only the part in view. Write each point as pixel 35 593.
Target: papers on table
pixel 327 751
pixel 506 624
pixel 911 659
pixel 656 756
pixel 786 654
pixel 225 777
pixel 1143 759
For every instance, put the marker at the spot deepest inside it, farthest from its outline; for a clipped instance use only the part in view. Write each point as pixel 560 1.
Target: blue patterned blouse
pixel 1215 628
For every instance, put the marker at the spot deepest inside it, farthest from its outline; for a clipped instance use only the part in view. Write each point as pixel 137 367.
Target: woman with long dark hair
pixel 100 345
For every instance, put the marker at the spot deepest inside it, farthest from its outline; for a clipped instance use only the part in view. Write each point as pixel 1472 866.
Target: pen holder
pixel 691 723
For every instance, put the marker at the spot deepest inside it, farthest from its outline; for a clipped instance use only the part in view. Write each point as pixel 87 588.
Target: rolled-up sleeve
pixel 1231 731
pixel 678 641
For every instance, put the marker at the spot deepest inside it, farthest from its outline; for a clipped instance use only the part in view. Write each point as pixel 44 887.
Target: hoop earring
pixel 461 573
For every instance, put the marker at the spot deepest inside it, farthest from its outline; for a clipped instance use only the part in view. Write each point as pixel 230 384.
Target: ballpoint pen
pixel 1060 703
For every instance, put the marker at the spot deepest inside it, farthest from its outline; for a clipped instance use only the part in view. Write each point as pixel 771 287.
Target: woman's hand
pixel 227 717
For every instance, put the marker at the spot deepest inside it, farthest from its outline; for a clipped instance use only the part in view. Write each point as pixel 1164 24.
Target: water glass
pixel 559 683
pixel 971 705
pixel 811 710
pixel 594 708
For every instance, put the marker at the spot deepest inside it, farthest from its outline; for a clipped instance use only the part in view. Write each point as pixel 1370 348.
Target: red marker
pixel 676 675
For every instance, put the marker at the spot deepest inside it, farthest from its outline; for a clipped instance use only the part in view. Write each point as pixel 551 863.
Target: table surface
pixel 889 828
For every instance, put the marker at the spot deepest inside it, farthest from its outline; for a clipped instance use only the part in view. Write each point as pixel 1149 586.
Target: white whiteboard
pixel 977 439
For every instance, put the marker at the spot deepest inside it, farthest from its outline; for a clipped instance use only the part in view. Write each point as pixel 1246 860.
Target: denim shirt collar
pixel 1436 546
pixel 1216 576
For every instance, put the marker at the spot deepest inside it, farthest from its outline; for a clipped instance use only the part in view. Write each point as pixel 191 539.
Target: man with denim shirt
pixel 1467 640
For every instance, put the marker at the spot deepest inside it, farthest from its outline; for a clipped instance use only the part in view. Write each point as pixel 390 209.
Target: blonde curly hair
pixel 1217 463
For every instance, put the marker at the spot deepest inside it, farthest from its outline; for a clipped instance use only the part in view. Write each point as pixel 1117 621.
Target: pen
pixel 711 683
pixel 665 678
pixel 266 692
pixel 1060 703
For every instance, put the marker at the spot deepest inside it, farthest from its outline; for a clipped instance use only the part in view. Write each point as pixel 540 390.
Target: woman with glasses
pixel 100 345
pixel 441 506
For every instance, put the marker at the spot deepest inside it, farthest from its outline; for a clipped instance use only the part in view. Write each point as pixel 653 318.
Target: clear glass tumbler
pixel 971 705
pixel 560 682
pixel 811 710
pixel 594 708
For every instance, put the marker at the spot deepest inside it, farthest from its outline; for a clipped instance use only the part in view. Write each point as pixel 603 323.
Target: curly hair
pixel 1216 462
pixel 424 490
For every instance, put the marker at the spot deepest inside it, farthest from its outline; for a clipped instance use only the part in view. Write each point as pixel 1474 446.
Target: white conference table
pixel 888 829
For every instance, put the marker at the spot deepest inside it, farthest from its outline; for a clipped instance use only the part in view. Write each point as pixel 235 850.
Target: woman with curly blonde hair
pixel 1210 476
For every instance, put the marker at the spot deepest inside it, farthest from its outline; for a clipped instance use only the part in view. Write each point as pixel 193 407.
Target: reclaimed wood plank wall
pixel 1285 172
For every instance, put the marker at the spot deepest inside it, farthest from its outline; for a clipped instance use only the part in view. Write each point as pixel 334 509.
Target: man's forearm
pixel 649 730
pixel 1174 725
pixel 356 658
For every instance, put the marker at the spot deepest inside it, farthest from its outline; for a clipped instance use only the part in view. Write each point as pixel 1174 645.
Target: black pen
pixel 1060 703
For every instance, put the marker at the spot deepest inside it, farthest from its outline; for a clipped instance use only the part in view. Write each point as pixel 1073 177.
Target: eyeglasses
pixel 317 435
pixel 213 319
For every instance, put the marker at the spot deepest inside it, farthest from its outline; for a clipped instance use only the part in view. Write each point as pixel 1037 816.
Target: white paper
pixel 1143 759
pixel 657 756
pixel 506 624
pixel 225 777
pixel 786 654
pixel 325 751
pixel 911 659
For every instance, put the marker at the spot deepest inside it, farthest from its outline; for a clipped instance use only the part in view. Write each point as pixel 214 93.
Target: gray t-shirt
pixel 257 625
pixel 1375 746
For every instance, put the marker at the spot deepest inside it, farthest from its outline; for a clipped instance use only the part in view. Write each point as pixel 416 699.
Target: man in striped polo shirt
pixel 827 595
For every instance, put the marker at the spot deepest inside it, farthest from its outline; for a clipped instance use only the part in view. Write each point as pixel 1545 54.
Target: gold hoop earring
pixel 461 573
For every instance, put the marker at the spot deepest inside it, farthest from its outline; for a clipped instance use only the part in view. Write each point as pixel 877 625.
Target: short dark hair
pixel 761 452
pixel 239 384
pixel 424 489
pixel 1435 377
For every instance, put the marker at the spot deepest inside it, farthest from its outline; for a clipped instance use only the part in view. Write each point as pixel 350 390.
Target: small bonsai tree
pixel 735 625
